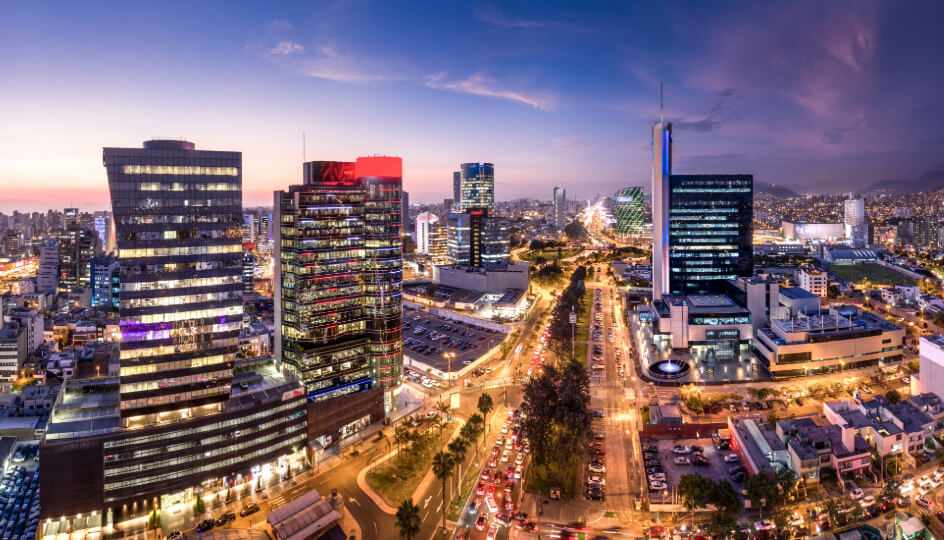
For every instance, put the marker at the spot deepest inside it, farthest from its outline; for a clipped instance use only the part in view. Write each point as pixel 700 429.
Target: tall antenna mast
pixel 660 102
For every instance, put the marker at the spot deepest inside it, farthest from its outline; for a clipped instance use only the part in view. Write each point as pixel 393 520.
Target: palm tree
pixel 408 519
pixel 458 447
pixel 485 406
pixel 400 435
pixel 443 463
pixel 443 409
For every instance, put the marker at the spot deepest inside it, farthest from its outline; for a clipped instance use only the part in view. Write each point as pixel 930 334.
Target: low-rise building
pixel 815 448
pixel 813 281
pixel 757 444
pixel 844 337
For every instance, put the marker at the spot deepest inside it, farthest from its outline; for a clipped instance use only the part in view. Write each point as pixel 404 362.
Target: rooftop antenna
pixel 660 102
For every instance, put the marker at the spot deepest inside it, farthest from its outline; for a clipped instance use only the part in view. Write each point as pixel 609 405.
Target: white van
pixel 490 504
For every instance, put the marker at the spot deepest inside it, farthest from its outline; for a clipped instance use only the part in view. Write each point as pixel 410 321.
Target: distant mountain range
pixel 773 190
pixel 928 182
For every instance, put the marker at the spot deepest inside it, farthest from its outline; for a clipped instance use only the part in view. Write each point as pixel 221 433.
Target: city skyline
pixel 564 92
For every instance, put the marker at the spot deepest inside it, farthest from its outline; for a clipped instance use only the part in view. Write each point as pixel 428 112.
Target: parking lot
pixel 19 494
pixel 716 468
pixel 427 337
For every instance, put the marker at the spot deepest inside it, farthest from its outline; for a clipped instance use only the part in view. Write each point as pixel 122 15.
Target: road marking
pixel 425 504
pixel 353 500
pixel 375 527
pixel 438 508
pixel 426 515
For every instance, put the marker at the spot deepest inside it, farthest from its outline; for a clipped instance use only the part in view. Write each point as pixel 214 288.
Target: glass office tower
pixel 710 224
pixel 178 213
pixel 560 205
pixel 477 187
pixel 628 210
pixel 338 299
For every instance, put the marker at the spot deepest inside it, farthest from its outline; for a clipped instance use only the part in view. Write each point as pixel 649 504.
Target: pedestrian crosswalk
pixel 493 383
pixel 277 502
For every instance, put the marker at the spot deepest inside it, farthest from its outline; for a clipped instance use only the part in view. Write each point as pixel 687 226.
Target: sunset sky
pixel 815 95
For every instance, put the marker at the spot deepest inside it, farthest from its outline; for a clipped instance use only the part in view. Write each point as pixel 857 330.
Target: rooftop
pixel 796 293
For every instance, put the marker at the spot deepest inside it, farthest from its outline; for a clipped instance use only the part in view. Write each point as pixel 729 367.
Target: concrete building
pixel 13 351
pixel 813 449
pixel 795 302
pixel 930 376
pixel 491 279
pixel 844 337
pixel 47 277
pixel 425 222
pixel 814 281
pixel 105 282
pixel 758 446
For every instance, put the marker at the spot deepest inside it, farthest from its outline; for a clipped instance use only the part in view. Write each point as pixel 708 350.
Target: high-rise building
pixel 854 221
pixel 105 282
pixel 425 222
pixel 701 225
pixel 710 231
pixel 77 246
pixel 456 192
pixel 661 171
pixel 629 212
pixel 338 291
pixel 476 238
pixel 104 228
pixel 560 204
pixel 438 244
pixel 249 271
pixel 47 277
pixel 813 281
pixel 448 206
pixel 177 421
pixel 477 187
pixel 180 273
pixel 71 218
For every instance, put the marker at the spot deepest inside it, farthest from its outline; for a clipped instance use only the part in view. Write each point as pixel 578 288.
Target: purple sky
pixel 825 96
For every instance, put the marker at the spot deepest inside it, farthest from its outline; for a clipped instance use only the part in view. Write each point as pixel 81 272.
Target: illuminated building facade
pixel 710 224
pixel 338 299
pixel 475 239
pixel 476 187
pixel 177 421
pixel 629 211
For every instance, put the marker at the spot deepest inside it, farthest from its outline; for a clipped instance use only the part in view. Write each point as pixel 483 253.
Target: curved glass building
pixel 628 210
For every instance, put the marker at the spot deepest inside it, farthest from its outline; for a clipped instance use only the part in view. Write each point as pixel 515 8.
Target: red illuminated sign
pixel 383 166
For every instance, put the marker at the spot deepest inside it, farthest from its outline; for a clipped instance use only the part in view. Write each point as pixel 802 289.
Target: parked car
pixel 923 502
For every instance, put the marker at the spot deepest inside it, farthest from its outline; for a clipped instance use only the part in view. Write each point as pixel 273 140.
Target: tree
pixel 442 408
pixel 408 519
pixel 443 464
pixel 485 406
pixel 788 481
pixel 781 521
pixel 893 396
pixel 695 490
pixel 198 505
pixel 725 497
pixel 761 490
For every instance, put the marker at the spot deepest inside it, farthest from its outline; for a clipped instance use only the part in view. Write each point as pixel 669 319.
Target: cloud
pixel 495 17
pixel 287 47
pixel 727 92
pixel 570 144
pixel 481 85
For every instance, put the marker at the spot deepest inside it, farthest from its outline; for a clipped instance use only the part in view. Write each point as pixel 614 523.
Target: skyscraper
pixel 560 204
pixel 628 210
pixel 477 187
pixel 178 421
pixel 178 213
pixel 661 170
pixel 338 291
pixel 701 225
pixel 710 224
pixel 456 191
pixel 406 213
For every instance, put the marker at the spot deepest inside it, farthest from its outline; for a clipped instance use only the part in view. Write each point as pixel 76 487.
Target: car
pixel 480 522
pixel 480 489
pixel 939 516
pixel 486 473
pixel 856 494
pixel 763 525
pixel 795 520
pixel 175 535
pixel 474 505
pixel 526 526
pixel 654 532
pixel 501 519
pixel 596 494
pixel 731 458
pixel 887 505
pixel 923 502
pixel 596 468
pixel 657 477
pixel 679 449
pixel 225 518
pixel 206 525
pixel 596 481
pixel 906 380
pixel 735 469
pixel 682 460
pixel 657 486
pixel 492 532
pixel 867 501
pixel 738 477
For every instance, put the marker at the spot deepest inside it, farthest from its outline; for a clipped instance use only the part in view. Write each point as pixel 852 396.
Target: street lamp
pixel 449 356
